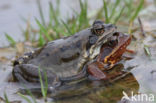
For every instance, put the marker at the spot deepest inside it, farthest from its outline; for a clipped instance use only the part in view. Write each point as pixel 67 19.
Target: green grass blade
pixel 10 39
pixel 42 85
pixel 129 5
pixel 106 12
pixel 6 98
pixel 83 20
pixel 53 14
pixel 73 26
pixel 57 7
pixel 46 82
pixel 41 40
pixel 57 32
pixel 24 97
pixel 50 16
pixel 30 94
pixel 41 12
pixel 146 48
pixel 114 9
pixel 40 25
pixel 67 27
pixel 81 13
pixel 137 10
pixel 118 17
pixel 43 30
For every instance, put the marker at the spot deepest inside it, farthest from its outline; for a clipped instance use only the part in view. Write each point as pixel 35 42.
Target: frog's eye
pixel 98 27
pixel 99 31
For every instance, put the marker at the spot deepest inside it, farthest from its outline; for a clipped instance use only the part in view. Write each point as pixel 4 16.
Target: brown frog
pixel 64 58
pixel 111 53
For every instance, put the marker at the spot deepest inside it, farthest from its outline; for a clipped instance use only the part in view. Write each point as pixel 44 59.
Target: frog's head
pixel 103 30
pixel 100 33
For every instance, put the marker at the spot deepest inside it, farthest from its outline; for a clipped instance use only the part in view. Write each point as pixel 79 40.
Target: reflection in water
pixel 86 91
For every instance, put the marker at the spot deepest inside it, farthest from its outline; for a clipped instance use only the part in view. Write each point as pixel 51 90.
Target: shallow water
pixel 142 79
pixel 81 91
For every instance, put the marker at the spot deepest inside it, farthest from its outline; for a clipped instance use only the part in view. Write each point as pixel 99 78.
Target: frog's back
pixel 65 56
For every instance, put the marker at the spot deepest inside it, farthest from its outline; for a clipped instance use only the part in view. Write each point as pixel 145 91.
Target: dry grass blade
pixel 141 27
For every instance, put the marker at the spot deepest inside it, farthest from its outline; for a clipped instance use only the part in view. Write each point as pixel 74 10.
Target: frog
pixel 110 54
pixel 63 59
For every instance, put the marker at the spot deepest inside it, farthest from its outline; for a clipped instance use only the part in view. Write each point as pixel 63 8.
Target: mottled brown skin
pixel 64 58
pixel 110 54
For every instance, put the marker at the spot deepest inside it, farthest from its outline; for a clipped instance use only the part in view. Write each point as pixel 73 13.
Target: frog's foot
pixel 95 73
pixel 126 57
pixel 129 55
pixel 130 51
pixel 17 76
pixel 30 73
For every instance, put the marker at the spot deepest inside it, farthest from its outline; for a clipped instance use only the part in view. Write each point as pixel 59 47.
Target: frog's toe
pixel 17 76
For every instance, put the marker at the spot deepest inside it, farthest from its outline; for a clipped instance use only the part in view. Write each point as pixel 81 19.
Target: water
pixel 142 78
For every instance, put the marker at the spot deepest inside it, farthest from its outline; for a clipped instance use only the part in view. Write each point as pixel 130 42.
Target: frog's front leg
pixel 95 73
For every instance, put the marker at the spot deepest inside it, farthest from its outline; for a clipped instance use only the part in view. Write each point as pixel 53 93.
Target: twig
pixel 141 27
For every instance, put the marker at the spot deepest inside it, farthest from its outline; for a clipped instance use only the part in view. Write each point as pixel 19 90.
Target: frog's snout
pixel 110 26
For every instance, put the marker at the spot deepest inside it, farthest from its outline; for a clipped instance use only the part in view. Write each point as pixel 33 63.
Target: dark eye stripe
pixel 75 56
